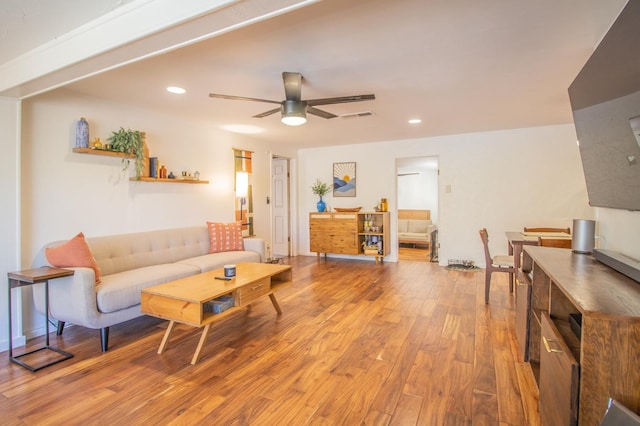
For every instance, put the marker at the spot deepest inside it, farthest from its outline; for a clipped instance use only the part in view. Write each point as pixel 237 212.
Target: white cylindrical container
pixel 229 271
pixel 584 236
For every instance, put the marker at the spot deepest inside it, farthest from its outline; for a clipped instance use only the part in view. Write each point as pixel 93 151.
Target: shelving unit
pixel 345 233
pixel 177 180
pixel 373 230
pixel 103 152
pixel 109 153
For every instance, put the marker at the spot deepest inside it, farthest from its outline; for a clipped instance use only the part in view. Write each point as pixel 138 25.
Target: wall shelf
pixel 103 152
pixel 177 180
pixel 108 153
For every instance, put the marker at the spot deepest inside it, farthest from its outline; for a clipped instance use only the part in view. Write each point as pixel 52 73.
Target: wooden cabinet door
pixel 319 232
pixel 559 378
pixel 344 233
pixel 523 303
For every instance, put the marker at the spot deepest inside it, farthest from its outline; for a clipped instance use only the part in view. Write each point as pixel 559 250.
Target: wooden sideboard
pixel 345 232
pixel 578 324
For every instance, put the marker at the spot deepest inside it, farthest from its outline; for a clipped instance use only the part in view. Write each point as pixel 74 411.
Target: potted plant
pixel 129 142
pixel 320 188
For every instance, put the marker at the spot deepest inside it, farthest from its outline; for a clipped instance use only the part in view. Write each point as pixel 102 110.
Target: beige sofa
pixel 128 263
pixel 415 227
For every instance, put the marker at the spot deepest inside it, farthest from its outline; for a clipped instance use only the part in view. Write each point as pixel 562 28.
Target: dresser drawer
pixel 254 290
pixel 523 306
pixel 559 378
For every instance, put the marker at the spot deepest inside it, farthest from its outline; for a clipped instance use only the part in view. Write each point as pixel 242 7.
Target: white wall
pixel 500 180
pixel 9 262
pixel 64 193
pixel 620 231
pixel 419 191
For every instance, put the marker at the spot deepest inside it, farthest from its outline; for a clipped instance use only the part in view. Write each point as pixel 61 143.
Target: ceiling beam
pixel 135 31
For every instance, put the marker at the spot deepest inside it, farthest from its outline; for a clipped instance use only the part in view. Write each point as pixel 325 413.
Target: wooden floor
pixel 421 254
pixel 406 343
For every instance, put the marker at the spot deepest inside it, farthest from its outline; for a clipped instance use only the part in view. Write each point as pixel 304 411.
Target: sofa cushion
pixel 225 237
pixel 73 253
pixel 413 237
pixel 122 290
pixel 212 261
pixel 403 225
pixel 418 226
pixel 124 252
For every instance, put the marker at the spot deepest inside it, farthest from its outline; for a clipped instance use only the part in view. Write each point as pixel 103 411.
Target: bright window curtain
pixel 242 163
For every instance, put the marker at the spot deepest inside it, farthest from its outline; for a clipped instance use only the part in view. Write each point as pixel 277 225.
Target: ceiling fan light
pixel 294 113
pixel 293 120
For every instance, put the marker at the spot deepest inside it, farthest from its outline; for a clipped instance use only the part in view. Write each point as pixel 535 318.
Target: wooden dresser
pixel 578 324
pixel 345 232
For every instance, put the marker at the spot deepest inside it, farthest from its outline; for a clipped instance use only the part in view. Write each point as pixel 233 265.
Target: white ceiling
pixel 26 24
pixel 461 66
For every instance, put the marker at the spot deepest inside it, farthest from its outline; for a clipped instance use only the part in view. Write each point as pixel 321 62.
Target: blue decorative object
pixel 153 167
pixel 219 304
pixel 82 133
pixel 321 205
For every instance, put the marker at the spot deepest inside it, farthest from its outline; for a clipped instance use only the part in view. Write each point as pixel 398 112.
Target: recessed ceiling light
pixel 415 121
pixel 176 89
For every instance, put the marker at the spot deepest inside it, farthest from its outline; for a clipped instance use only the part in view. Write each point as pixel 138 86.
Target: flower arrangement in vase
pixel 320 188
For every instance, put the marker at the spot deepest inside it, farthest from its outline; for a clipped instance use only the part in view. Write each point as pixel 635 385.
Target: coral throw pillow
pixel 225 237
pixel 73 253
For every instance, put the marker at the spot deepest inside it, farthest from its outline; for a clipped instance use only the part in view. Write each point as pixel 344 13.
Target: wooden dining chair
pixel 564 230
pixel 498 263
pixel 554 242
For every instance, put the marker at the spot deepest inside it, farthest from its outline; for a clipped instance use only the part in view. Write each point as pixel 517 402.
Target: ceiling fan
pixel 294 109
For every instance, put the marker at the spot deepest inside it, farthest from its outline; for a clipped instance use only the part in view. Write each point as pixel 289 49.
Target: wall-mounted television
pixel 605 99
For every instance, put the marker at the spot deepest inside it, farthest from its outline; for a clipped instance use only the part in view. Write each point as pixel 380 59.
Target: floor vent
pixel 461 265
pixel 461 262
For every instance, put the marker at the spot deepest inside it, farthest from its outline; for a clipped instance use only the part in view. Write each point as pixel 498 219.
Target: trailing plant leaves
pixel 129 142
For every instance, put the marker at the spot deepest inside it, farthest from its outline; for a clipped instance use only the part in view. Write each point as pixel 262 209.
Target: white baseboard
pixel 40 331
pixel 17 342
pixel 36 332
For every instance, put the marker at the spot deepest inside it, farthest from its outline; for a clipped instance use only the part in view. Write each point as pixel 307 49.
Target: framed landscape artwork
pixel 344 179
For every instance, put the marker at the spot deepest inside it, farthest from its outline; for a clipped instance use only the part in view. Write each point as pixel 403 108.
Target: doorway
pixel 417 192
pixel 280 208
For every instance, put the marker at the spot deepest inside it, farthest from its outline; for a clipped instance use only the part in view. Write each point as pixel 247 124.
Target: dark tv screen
pixel 605 99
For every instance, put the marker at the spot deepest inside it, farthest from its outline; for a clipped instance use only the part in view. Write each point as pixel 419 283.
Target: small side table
pixel 30 277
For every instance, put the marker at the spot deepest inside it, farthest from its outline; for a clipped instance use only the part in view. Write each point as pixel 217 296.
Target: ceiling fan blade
pixel 292 85
pixel 320 113
pixel 241 98
pixel 340 100
pixel 266 113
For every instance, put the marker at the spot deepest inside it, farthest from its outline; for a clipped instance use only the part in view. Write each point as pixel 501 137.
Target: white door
pixel 280 207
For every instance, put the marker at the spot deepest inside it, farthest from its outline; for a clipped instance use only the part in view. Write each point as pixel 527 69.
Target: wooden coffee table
pixel 185 300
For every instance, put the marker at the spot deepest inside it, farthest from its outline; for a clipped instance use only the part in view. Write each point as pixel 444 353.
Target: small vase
pixel 321 205
pixel 82 133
